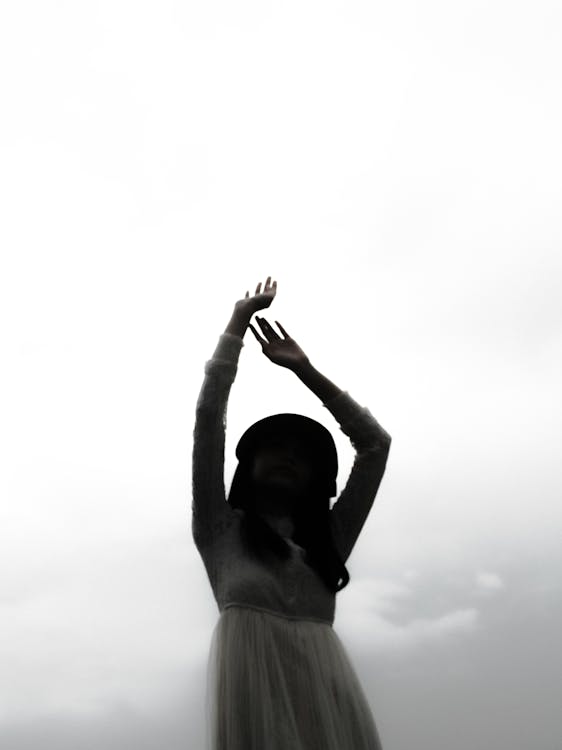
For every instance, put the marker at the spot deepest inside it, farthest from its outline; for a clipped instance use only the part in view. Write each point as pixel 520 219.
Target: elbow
pixel 382 445
pixel 386 445
pixel 381 442
pixel 384 440
pixel 376 449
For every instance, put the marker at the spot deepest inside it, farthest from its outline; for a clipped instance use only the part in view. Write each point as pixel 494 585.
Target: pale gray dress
pixel 278 675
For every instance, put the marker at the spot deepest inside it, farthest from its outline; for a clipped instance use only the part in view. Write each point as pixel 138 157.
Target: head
pixel 282 472
pixel 284 461
pixel 295 440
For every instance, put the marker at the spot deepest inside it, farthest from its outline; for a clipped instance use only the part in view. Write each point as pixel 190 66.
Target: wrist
pixel 245 308
pixel 239 321
pixel 303 369
pixel 318 383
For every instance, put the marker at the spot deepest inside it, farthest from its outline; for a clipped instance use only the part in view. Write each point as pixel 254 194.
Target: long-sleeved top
pixel 289 587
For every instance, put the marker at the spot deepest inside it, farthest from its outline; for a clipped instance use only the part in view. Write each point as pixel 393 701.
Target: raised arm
pixel 211 514
pixel 370 441
pixel 372 445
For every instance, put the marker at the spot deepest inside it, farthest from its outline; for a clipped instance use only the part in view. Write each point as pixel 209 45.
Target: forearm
pixel 208 504
pixel 220 371
pixel 239 322
pixel 318 383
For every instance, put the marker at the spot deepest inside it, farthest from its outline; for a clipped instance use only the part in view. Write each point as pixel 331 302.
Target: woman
pixel 278 676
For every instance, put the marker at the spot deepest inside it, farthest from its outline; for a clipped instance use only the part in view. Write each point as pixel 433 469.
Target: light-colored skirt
pixel 275 683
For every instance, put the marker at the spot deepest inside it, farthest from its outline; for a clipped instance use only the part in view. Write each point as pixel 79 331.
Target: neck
pixel 275 511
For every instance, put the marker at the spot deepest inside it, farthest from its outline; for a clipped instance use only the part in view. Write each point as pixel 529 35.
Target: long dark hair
pixel 313 528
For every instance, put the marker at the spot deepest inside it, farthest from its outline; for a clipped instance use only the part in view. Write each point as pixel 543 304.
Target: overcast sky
pixel 397 167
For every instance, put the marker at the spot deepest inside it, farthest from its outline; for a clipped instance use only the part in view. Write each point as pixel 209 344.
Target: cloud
pixel 128 621
pixel 489 583
pixel 365 618
pixel 116 726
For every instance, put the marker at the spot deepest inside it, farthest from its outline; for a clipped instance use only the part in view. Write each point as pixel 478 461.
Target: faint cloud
pixel 411 575
pixel 364 619
pixel 488 583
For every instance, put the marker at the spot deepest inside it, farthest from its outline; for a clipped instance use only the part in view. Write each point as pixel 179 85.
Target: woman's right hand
pixel 260 300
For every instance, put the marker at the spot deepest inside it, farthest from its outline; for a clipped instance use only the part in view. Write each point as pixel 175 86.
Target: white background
pixel 397 168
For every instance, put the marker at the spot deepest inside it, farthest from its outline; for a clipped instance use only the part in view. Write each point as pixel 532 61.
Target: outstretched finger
pixel 256 334
pixel 267 329
pixel 283 331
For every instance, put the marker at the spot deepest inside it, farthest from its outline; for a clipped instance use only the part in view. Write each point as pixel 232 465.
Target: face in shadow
pixel 281 473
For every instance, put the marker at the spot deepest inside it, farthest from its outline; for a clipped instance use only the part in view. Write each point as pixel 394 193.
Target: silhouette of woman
pixel 278 676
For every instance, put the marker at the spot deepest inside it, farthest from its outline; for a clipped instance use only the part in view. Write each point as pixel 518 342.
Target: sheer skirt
pixel 275 683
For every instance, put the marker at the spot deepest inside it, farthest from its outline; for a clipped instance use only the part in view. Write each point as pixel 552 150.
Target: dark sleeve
pixel 372 444
pixel 211 514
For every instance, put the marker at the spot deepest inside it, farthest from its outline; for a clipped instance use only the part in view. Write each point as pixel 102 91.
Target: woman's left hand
pixel 282 351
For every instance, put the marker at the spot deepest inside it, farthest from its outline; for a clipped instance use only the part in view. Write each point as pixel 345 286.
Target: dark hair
pixel 313 528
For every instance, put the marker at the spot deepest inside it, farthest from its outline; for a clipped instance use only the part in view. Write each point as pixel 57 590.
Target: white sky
pixel 397 168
